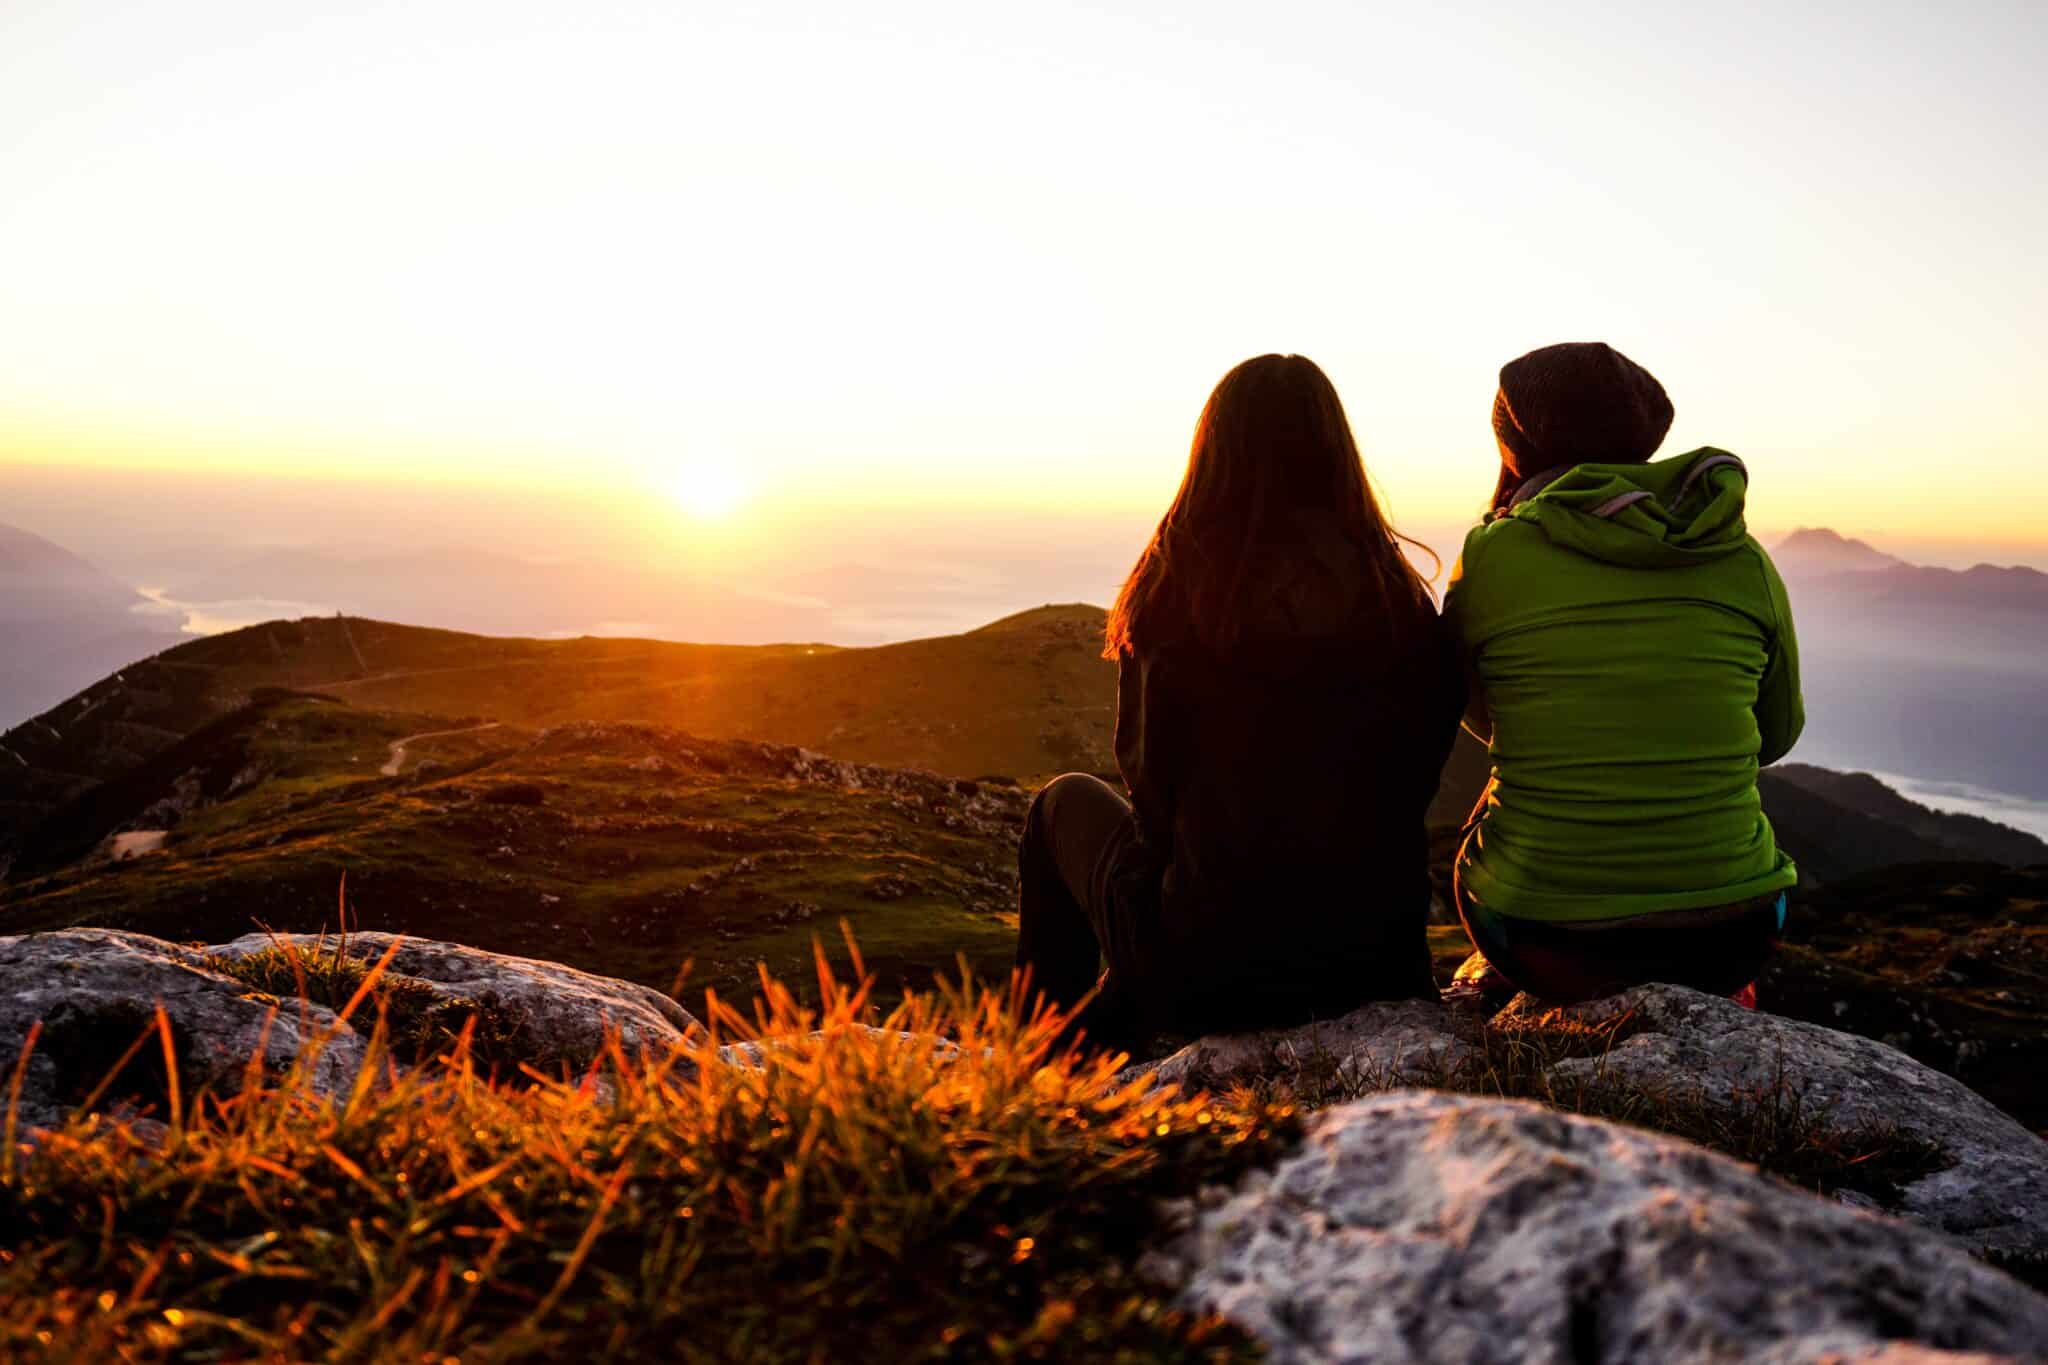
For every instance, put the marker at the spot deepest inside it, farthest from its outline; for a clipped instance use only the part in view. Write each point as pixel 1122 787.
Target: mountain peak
pixel 1817 549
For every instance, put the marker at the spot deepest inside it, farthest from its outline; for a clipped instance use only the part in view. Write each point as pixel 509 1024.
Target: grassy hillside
pixel 1024 696
pixel 620 849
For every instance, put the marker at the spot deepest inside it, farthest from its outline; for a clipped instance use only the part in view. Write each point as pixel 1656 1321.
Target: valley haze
pixel 1923 666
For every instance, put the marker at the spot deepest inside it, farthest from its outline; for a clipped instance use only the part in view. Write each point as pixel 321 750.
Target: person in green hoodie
pixel 1633 663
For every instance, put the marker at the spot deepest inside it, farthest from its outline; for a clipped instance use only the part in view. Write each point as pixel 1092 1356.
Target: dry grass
pixel 863 1196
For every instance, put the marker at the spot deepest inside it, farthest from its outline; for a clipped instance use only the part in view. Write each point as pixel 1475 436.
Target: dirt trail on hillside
pixel 396 763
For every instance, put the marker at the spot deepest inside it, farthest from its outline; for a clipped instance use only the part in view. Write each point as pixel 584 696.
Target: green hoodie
pixel 1634 648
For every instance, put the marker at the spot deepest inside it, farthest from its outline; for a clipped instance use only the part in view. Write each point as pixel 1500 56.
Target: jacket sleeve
pixel 1780 710
pixel 1145 726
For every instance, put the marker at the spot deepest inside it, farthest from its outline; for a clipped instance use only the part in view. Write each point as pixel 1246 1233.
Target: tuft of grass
pixel 420 1022
pixel 863 1195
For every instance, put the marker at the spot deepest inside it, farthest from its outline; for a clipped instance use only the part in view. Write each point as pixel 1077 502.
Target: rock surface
pixel 1993 1196
pixel 1382 1044
pixel 1432 1227
pixel 564 1010
pixel 95 992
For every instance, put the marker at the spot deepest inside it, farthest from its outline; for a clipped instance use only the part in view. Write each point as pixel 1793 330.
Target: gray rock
pixel 1994 1195
pixel 95 992
pixel 1416 1226
pixel 565 1012
pixel 1382 1044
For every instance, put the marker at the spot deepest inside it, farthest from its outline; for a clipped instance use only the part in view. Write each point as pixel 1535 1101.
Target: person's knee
pixel 1066 790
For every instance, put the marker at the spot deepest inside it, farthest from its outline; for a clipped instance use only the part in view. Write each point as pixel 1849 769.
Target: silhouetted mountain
pixel 1934 673
pixel 64 623
pixel 1813 550
pixel 1950 836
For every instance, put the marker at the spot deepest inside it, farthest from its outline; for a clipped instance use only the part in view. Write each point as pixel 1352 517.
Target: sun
pixel 709 490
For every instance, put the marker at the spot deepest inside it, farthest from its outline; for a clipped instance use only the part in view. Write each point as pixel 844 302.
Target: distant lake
pixel 1965 799
pixel 215 618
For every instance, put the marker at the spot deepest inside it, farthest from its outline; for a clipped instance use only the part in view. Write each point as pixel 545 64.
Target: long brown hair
pixel 1272 444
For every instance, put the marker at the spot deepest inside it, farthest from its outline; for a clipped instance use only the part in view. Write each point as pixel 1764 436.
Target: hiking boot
pixel 1478 979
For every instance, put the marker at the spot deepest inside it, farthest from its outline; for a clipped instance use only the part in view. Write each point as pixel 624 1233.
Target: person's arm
pixel 1144 744
pixel 1478 720
pixel 1780 710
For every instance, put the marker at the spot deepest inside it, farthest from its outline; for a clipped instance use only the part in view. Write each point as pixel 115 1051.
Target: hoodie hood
pixel 1687 509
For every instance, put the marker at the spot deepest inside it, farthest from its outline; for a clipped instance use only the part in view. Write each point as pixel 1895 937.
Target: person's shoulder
pixel 1501 534
pixel 1487 565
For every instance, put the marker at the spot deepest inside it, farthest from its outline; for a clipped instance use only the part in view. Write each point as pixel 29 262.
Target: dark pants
pixel 1718 951
pixel 1067 918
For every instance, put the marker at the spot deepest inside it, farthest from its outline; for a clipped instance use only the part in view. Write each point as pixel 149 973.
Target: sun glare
pixel 708 491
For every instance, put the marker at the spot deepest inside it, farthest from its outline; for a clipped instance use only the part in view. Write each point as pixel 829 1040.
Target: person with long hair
pixel 1633 664
pixel 1286 698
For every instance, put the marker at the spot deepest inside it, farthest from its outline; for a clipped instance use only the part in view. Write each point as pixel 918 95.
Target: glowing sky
pixel 989 255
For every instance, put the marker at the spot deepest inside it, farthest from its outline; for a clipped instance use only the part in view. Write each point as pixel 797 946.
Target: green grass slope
pixel 619 849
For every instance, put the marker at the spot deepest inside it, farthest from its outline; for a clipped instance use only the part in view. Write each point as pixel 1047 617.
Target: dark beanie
pixel 1581 402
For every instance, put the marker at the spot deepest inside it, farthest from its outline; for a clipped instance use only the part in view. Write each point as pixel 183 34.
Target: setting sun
pixel 707 490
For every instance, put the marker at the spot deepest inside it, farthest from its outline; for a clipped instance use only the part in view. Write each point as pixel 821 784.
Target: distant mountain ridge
pixel 1816 550
pixel 63 623
pixel 1960 837
pixel 1812 553
pixel 1909 668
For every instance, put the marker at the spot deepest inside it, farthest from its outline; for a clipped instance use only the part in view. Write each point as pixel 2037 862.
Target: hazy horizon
pixel 872 575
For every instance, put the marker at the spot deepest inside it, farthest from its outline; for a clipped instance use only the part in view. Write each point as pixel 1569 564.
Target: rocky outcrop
pixel 1989 1191
pixel 1432 1227
pixel 95 991
pixel 566 1012
pixel 1992 1194
pixel 1376 1046
pixel 1410 1225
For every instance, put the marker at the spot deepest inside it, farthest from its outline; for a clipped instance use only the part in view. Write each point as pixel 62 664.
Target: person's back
pixel 1638 666
pixel 1285 700
pixel 1291 773
pixel 1633 663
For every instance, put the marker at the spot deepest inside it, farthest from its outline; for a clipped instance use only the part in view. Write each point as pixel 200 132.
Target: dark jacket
pixel 1280 871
